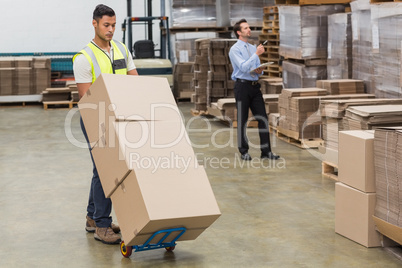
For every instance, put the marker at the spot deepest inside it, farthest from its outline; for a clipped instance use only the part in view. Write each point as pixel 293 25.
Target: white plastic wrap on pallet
pixel 304 30
pixel 387 45
pixel 339 64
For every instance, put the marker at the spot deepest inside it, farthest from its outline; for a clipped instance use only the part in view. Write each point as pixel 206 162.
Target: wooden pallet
pixel 57 104
pixel 329 170
pixel 309 62
pixel 301 143
pixel 271 10
pixel 195 112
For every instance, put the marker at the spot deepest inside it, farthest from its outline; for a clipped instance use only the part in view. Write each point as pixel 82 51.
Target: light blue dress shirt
pixel 243 58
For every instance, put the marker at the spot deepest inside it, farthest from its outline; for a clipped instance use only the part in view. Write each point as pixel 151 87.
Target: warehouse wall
pixel 57 25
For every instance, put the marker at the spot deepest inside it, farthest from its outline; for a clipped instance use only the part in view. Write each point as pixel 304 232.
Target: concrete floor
pixel 273 215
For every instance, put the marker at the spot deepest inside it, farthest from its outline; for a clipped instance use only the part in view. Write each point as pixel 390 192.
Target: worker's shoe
pixel 269 155
pixel 245 157
pixel 106 235
pixel 91 226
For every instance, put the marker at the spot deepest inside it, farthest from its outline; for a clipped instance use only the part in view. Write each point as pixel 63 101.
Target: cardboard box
pixel 126 97
pixel 354 212
pixel 147 202
pixel 134 145
pixel 356 159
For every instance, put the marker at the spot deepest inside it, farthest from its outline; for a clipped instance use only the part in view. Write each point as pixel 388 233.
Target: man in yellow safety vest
pixel 101 55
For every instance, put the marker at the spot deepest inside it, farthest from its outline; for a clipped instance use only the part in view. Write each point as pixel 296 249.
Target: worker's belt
pixel 253 83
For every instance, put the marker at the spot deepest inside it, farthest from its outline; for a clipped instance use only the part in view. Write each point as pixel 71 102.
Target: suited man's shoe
pixel 245 157
pixel 269 155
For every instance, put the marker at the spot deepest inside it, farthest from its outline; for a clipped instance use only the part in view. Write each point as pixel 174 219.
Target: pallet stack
pixel 270 33
pixel 304 43
pixel 217 76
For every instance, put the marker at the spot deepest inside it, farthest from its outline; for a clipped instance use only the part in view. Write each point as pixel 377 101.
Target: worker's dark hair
pixel 102 10
pixel 237 27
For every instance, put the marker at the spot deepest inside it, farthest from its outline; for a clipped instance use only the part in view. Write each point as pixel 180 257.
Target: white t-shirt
pixel 82 67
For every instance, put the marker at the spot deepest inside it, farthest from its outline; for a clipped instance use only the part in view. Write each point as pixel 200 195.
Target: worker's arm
pixel 83 88
pixel 132 72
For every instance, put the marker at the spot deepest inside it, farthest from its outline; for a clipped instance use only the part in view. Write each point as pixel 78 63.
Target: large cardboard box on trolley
pixel 126 98
pixel 144 158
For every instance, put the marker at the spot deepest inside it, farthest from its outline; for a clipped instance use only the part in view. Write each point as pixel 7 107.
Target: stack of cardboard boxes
pixel 355 193
pixel 217 75
pixel 212 71
pixel 24 75
pixel 144 158
pixel 298 118
pixel 201 68
pixel 183 79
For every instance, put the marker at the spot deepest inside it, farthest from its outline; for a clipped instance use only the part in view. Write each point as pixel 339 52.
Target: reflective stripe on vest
pixel 100 62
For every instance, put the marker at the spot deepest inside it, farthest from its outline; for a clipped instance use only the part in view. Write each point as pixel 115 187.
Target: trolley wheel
pixel 170 248
pixel 125 250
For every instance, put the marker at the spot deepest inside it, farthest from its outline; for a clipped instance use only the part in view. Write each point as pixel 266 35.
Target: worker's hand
pixel 259 70
pixel 260 50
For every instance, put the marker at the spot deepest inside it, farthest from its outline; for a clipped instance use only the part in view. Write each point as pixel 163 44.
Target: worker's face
pixel 104 27
pixel 245 31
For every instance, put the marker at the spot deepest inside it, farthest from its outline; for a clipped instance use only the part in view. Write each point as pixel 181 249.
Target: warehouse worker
pixel 101 55
pixel 244 59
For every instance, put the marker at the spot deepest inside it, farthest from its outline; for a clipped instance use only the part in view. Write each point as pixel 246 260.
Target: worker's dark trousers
pixel 250 97
pixel 99 207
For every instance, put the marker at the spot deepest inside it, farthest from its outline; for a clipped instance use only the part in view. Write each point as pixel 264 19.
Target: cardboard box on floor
pixel 161 192
pixel 354 212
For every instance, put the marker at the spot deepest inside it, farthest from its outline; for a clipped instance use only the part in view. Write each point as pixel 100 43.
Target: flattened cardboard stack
pixel 201 68
pixel 388 179
pixel 57 94
pixel 24 75
pixel 355 194
pixel 333 113
pixel 339 63
pixel 7 70
pixel 298 114
pixel 183 78
pixel 144 158
pixel 212 71
pixel 272 85
pixel 218 74
pixel 304 35
pixel 372 116
pixel 342 86
pixel 225 108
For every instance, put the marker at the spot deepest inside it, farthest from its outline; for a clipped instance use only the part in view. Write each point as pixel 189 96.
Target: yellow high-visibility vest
pixel 101 63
